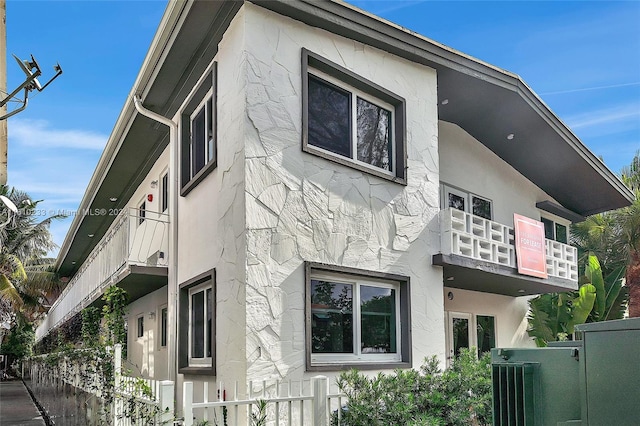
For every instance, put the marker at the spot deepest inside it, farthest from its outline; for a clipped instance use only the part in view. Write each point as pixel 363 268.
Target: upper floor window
pixel 352 121
pixel 198 145
pixel 467 202
pixel 142 212
pixel 164 192
pixel 356 318
pixel 554 230
pixel 140 323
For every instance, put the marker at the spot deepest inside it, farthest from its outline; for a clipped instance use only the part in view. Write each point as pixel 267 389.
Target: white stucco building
pixel 305 187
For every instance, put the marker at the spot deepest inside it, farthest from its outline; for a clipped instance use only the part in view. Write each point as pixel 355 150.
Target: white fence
pixel 472 236
pixel 134 400
pixel 132 239
pixel 299 403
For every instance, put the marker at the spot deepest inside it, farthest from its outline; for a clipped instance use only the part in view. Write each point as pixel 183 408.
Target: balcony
pixel 132 254
pixel 479 254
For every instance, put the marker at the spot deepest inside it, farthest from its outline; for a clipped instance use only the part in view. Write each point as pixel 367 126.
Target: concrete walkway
pixel 16 406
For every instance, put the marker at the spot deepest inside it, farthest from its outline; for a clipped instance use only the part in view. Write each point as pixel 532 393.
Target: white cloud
pixel 40 133
pixel 607 116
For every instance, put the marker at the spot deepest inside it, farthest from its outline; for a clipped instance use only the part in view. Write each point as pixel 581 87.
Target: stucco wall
pixel 509 312
pixel 145 356
pixel 469 165
pixel 211 217
pixel 303 208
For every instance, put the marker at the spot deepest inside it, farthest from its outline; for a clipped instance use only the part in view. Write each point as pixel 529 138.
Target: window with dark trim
pixel 198 137
pixel 163 327
pixel 352 121
pixel 140 322
pixel 196 325
pixel 142 212
pixel 356 319
pixel 164 192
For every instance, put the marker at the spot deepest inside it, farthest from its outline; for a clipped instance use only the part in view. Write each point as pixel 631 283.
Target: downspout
pixel 172 285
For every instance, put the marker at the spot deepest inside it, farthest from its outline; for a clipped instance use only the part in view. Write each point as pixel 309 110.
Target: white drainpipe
pixel 172 285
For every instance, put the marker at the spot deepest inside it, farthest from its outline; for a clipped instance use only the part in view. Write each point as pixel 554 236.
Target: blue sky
pixel 581 57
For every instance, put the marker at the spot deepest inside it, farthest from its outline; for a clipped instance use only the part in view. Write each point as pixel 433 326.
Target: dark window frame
pixel 163 329
pixel 312 61
pixel 164 192
pixel 142 212
pixel 140 326
pixel 183 325
pixel 312 268
pixel 189 180
pixel 554 224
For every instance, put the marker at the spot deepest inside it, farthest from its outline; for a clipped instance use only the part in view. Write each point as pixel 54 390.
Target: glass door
pixel 459 333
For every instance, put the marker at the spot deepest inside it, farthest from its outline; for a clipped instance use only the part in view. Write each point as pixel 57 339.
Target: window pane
pixel 211 144
pixel 481 207
pixel 460 335
pixel 331 317
pixel 329 117
pixel 561 233
pixel 142 212
pixel 486 333
pixel 140 326
pixel 163 327
pixel 198 142
pixel 197 325
pixel 209 321
pixel 165 192
pixel 456 201
pixel 374 135
pixel 378 315
pixel 548 228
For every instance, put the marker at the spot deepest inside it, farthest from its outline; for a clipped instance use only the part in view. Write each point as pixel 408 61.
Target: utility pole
pixel 3 90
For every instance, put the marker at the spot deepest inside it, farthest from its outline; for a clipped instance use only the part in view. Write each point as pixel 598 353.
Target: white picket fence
pixel 135 401
pixel 291 403
pixel 139 400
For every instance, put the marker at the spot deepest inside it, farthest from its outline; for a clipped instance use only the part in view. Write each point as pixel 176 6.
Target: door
pixel 459 333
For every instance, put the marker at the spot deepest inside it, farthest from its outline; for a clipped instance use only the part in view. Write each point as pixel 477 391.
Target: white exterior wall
pixel 145 356
pixel 304 208
pixel 211 218
pixel 510 314
pixel 469 165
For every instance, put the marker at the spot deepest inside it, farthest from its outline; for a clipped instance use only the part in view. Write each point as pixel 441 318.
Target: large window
pixel 198 134
pixel 352 121
pixel 466 201
pixel 356 318
pixel 196 352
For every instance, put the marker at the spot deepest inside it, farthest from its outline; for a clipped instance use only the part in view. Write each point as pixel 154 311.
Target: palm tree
pixel 614 237
pixel 27 279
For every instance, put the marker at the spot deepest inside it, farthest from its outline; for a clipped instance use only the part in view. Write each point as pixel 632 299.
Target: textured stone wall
pixel 301 207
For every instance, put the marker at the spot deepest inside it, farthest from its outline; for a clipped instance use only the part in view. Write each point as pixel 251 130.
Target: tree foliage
pixel 553 316
pixel 27 280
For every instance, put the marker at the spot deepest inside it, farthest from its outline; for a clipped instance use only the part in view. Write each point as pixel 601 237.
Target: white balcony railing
pixel 471 236
pixel 134 238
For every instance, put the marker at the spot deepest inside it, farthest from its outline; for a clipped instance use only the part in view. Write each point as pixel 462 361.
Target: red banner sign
pixel 530 246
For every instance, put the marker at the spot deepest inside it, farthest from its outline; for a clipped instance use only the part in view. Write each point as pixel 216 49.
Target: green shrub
pixel 458 396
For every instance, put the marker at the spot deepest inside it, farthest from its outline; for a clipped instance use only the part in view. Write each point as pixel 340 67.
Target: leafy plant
pixel 259 417
pixel 113 312
pixel 460 395
pixel 553 316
